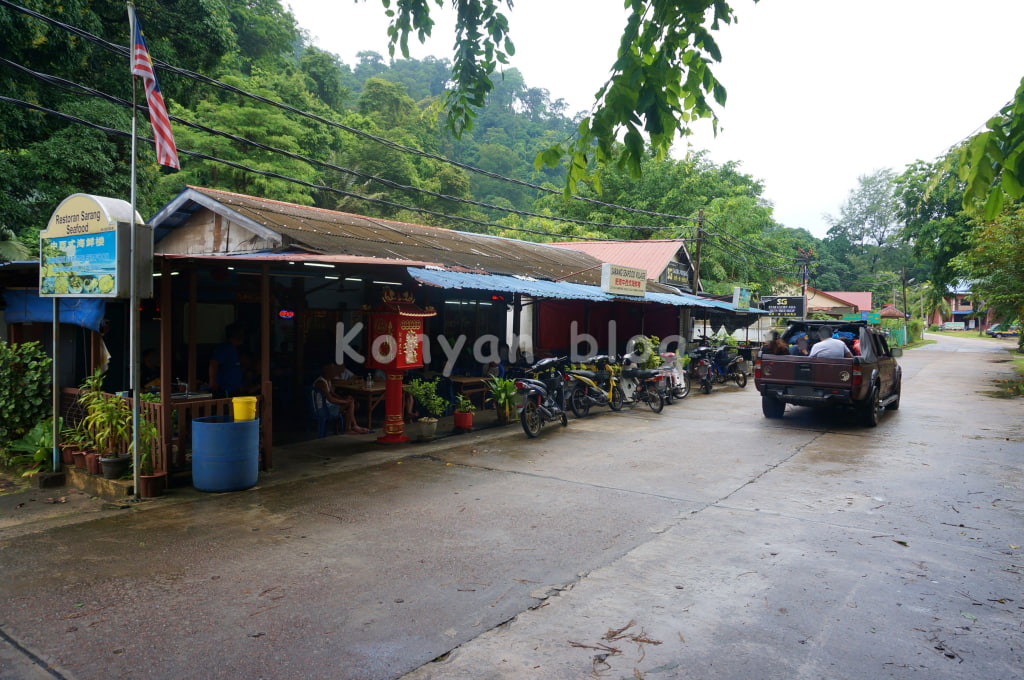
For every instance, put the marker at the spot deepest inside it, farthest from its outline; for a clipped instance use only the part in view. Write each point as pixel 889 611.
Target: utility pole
pixel 805 258
pixel 700 244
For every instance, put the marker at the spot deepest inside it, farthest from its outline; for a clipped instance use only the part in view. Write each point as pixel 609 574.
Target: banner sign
pixel 619 280
pixel 780 305
pixel 740 298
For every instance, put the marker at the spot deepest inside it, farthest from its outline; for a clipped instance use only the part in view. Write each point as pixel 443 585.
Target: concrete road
pixel 704 542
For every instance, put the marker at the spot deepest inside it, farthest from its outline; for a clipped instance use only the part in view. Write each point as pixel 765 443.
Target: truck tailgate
pixel 803 377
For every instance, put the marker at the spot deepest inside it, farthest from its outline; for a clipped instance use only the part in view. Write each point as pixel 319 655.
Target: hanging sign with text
pixel 85 249
pixel 619 280
pixel 783 305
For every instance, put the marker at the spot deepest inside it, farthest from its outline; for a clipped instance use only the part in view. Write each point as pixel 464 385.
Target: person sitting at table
pixel 336 403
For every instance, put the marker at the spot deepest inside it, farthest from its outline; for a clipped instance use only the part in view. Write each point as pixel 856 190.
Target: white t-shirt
pixel 830 348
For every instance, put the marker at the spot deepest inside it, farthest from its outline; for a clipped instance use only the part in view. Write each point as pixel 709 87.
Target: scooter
pixel 730 368
pixel 543 396
pixel 641 385
pixel 594 388
pixel 677 379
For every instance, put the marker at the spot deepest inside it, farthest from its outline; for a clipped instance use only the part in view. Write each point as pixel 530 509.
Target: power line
pixel 72 86
pixel 273 175
pixel 123 51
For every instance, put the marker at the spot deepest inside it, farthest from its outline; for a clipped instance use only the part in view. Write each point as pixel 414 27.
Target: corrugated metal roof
pixel 336 233
pixel 652 255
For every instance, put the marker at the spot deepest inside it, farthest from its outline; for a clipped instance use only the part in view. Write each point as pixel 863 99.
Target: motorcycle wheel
pixel 565 419
pixel 741 378
pixel 579 403
pixel 653 399
pixel 617 399
pixel 530 419
pixel 683 388
pixel 705 385
pixel 669 395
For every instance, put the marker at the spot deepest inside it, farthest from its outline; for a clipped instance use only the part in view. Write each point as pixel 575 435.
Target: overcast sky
pixel 820 91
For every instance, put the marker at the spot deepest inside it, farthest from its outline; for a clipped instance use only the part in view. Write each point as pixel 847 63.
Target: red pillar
pixel 394 423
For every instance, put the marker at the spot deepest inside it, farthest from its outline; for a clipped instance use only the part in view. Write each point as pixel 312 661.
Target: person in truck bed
pixel 828 347
pixel 775 345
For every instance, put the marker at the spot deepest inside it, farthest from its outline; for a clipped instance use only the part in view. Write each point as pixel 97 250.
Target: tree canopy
pixel 661 80
pixel 269 114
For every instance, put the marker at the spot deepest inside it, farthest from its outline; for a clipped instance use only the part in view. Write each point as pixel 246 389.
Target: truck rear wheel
pixel 871 408
pixel 772 407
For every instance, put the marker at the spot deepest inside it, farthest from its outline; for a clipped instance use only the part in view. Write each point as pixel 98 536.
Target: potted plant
pixel 108 422
pixel 463 415
pixel 151 482
pixel 72 439
pixel 503 394
pixel 425 392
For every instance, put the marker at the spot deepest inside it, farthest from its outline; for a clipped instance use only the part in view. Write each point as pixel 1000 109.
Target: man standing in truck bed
pixel 828 347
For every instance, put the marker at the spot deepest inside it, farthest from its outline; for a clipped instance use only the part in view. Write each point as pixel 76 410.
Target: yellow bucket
pixel 244 408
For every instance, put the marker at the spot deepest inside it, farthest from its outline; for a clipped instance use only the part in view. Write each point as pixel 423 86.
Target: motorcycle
pixel 594 388
pixel 729 367
pixel 543 396
pixel 702 365
pixel 711 365
pixel 677 379
pixel 642 385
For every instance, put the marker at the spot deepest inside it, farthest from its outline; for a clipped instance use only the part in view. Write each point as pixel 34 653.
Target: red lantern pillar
pixel 395 333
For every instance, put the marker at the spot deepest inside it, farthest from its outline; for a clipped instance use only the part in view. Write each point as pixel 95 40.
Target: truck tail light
pixel 757 368
pixel 858 378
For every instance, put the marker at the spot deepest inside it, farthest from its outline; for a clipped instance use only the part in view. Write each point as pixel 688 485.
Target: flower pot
pixel 151 486
pixel 66 455
pixel 504 414
pixel 463 420
pixel 79 458
pixel 114 466
pixel 92 463
pixel 427 429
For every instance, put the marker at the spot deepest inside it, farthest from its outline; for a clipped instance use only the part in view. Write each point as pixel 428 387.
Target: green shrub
pixel 425 393
pixel 24 388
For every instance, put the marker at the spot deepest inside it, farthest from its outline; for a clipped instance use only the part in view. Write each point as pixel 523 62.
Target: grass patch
pixel 1013 387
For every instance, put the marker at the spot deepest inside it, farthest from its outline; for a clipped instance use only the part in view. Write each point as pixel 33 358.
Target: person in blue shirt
pixel 799 346
pixel 226 364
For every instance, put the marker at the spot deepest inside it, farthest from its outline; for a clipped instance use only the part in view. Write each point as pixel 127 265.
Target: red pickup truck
pixel 869 382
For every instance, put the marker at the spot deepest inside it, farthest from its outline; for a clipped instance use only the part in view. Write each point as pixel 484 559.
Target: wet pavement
pixel 704 542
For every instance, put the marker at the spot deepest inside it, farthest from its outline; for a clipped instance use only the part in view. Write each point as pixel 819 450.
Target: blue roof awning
pixel 539 288
pixel 560 290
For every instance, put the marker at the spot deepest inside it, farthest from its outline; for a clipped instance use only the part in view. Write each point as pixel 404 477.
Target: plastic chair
pixel 321 413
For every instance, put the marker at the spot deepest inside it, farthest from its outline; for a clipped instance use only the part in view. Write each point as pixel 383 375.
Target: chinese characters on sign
pixel 84 250
pixel 619 280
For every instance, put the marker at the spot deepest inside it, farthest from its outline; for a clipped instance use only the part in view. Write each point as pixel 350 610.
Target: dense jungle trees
pixel 372 138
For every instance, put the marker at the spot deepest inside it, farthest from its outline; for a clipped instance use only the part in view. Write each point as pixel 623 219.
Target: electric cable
pixel 273 175
pixel 79 88
pixel 124 51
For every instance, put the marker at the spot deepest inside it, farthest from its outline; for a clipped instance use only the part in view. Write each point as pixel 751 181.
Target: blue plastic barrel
pixel 225 453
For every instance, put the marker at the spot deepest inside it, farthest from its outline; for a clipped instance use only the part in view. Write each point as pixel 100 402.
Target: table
pixel 469 386
pixel 371 396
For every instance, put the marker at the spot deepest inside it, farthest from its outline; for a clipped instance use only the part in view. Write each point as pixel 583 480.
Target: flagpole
pixel 133 296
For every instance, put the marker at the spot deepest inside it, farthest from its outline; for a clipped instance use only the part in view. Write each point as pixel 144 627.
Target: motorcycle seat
pixel 641 374
pixel 593 375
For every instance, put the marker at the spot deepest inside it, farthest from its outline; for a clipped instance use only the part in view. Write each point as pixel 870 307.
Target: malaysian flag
pixel 142 65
